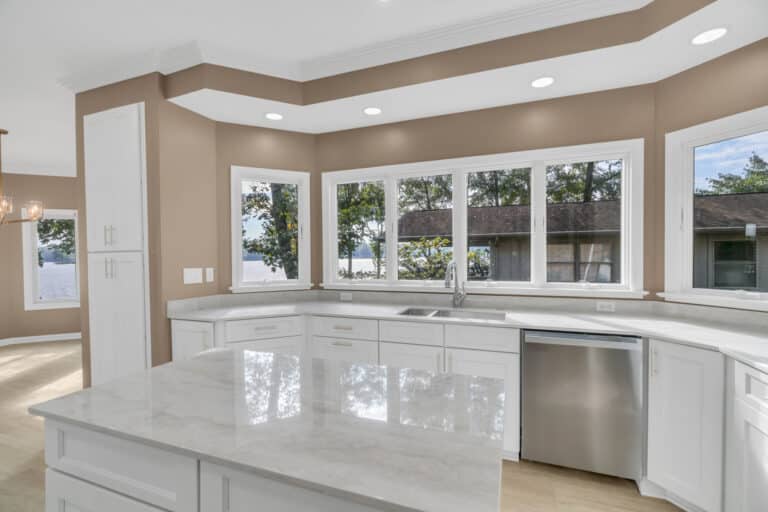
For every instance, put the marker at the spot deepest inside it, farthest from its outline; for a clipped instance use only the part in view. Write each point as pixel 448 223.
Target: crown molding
pixel 531 18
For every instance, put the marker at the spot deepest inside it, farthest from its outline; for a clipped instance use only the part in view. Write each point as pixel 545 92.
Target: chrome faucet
pixel 459 293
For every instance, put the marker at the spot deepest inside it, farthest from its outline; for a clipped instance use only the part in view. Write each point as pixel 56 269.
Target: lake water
pixel 255 271
pixel 57 281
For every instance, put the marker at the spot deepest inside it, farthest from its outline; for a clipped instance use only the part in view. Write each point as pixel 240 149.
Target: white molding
pixel 43 338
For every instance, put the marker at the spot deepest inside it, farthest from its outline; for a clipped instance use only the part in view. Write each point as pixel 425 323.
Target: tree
pixel 499 188
pixel 424 259
pixel 56 234
pixel 361 222
pixel 276 207
pixel 426 193
pixel 754 179
pixel 584 182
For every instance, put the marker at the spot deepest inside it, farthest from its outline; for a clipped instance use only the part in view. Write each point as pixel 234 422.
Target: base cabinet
pixel 418 357
pixel 64 493
pixel 685 423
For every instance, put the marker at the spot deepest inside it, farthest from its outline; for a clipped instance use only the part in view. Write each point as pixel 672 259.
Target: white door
pixel 418 357
pixel 685 422
pixel 116 315
pixel 190 338
pixel 114 172
pixel 496 365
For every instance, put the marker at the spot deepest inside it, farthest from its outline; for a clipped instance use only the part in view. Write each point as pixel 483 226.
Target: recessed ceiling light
pixel 542 82
pixel 274 116
pixel 372 111
pixel 709 35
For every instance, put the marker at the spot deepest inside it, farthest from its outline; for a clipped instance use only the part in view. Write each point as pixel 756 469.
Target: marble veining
pixel 406 438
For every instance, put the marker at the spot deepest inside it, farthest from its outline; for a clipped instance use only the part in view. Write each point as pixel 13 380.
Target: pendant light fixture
pixel 34 209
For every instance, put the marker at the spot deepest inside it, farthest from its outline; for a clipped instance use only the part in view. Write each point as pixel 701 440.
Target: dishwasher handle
pixel 585 340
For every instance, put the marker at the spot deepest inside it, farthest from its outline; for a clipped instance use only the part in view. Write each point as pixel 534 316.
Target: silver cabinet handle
pixel 654 361
pixel 341 344
pixel 106 235
pixel 112 267
pixel 112 234
pixel 342 327
pixel 106 268
pixel 258 328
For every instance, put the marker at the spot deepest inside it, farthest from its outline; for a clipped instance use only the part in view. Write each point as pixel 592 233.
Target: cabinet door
pixel 114 170
pixel 347 350
pixel 418 357
pixel 116 315
pixel 190 338
pixel 685 422
pixel 495 365
pixel 64 493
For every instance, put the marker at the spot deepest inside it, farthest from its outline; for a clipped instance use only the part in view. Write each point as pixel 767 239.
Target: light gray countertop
pixel 749 346
pixel 401 439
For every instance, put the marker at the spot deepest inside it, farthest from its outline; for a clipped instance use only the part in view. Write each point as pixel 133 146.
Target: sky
pixel 728 156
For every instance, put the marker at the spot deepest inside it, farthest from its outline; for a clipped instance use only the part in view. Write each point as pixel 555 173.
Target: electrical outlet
pixel 345 296
pixel 606 307
pixel 193 275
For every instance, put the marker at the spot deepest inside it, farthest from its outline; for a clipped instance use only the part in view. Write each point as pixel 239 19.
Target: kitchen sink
pixel 417 312
pixel 470 315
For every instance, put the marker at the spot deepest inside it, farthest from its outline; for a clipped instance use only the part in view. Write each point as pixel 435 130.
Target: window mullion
pixel 538 224
pixel 390 215
pixel 460 242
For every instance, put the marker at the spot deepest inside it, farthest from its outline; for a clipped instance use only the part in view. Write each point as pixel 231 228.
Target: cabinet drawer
pixel 418 333
pixel 343 349
pixel 417 357
pixel 262 328
pixel 64 493
pixel 289 345
pixel 339 327
pixel 154 476
pixel 751 386
pixel 498 339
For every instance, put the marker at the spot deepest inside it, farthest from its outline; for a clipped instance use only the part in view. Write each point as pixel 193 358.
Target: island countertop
pixel 399 439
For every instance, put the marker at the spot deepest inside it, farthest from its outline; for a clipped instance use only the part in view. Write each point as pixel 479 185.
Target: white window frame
pixel 302 180
pixel 679 179
pixel 631 285
pixel 29 240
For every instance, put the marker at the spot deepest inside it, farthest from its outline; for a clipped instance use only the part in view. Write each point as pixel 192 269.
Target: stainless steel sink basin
pixel 470 315
pixel 417 312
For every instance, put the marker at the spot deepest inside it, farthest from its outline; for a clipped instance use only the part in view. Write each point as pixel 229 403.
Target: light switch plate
pixel 193 275
pixel 209 275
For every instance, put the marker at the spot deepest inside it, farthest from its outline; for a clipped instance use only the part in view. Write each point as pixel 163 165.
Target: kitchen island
pixel 233 428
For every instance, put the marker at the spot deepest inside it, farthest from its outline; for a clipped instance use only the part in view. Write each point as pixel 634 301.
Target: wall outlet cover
pixel 345 296
pixel 209 275
pixel 606 306
pixel 193 275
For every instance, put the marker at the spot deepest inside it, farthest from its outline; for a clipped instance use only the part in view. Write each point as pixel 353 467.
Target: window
pixel 717 212
pixel 50 261
pixel 270 245
pixel 564 221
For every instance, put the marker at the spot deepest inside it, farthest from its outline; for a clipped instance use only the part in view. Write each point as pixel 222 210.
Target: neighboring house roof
pixel 716 213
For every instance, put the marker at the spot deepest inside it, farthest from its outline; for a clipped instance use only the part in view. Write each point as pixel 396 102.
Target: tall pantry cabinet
pixel 116 229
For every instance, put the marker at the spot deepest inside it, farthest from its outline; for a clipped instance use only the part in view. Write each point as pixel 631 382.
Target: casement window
pixel 49 248
pixel 564 221
pixel 270 230
pixel 717 212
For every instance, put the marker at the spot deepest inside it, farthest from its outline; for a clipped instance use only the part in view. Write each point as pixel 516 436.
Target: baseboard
pixel 44 338
pixel 651 490
pixel 510 456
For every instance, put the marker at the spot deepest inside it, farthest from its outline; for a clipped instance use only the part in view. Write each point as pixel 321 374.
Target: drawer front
pixel 339 327
pixel 417 357
pixel 418 333
pixel 343 349
pixel 498 339
pixel 289 345
pixel 263 328
pixel 154 476
pixel 64 493
pixel 751 386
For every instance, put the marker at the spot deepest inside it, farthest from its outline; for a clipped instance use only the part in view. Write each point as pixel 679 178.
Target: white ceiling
pixel 50 48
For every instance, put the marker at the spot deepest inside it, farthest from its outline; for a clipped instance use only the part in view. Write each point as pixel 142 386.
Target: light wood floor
pixel 38 372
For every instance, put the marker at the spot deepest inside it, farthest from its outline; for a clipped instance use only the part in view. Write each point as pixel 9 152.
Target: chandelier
pixel 34 209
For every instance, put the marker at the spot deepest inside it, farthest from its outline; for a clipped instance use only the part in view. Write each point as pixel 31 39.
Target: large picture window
pixel 270 235
pixel 50 261
pixel 717 232
pixel 565 221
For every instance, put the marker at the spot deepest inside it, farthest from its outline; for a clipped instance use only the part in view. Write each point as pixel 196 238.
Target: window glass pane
pixel 499 225
pixel 584 222
pixel 270 213
pixel 361 233
pixel 425 227
pixel 730 214
pixel 57 269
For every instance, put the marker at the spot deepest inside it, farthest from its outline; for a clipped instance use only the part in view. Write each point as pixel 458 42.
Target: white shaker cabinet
pixel 685 423
pixel 746 476
pixel 114 174
pixel 117 315
pixel 68 494
pixel 189 338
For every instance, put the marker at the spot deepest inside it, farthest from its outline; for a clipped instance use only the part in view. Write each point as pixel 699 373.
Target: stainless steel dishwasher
pixel 583 402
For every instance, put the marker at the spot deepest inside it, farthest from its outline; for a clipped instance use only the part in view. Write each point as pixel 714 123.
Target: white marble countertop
pixel 749 346
pixel 399 439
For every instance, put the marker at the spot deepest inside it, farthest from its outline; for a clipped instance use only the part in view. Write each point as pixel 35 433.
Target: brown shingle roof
pixel 730 211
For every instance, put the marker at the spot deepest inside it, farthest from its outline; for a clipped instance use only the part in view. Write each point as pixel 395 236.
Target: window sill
pixel 43 306
pixel 718 300
pixel 270 288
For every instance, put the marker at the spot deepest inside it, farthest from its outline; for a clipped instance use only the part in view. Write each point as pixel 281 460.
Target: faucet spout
pixel 459 292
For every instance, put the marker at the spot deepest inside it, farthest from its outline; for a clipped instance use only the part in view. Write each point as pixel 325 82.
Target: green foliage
pixel 584 182
pixel 426 193
pixel 57 235
pixel 754 179
pixel 499 188
pixel 424 259
pixel 276 207
pixel 361 222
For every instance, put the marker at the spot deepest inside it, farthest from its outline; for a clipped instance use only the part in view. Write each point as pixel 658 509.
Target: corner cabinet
pixel 685 423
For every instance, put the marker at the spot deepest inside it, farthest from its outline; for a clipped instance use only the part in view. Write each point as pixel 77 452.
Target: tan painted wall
pixel 56 193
